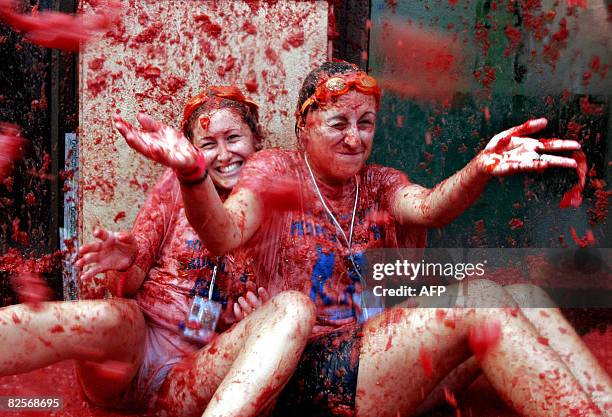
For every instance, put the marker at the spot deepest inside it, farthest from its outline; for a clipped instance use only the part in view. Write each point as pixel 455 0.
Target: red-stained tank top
pixel 301 249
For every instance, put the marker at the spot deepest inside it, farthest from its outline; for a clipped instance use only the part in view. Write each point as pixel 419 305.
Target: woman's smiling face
pixel 337 137
pixel 226 141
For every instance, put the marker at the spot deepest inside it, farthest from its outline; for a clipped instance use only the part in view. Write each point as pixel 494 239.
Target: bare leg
pixel 528 374
pixel 244 369
pixel 98 331
pixel 560 335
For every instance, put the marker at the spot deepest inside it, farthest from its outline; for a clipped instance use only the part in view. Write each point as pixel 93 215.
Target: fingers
pixel 263 295
pixel 90 247
pixel 88 258
pixel 238 312
pixel 148 123
pixel 250 302
pixel 529 127
pixel 93 271
pixel 557 145
pixel 500 141
pixel 157 152
pixel 253 300
pixel 539 163
pixel 101 233
pixel 132 136
pixel 125 237
pixel 124 127
pixel 245 306
pixel 550 161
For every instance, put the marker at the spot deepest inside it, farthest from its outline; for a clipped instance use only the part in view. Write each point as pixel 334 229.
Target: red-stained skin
pixel 226 142
pixel 344 130
pixel 484 337
pixel 425 359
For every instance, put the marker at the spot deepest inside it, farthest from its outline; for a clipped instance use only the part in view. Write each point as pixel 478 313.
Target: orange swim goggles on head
pixel 221 92
pixel 341 84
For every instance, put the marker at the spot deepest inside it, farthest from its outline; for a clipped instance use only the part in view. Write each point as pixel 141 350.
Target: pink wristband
pixel 197 174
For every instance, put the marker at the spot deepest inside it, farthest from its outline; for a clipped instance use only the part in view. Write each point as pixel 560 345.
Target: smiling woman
pixel 223 124
pixel 160 350
pixel 221 135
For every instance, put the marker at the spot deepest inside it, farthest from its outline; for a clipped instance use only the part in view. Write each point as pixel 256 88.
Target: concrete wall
pixel 163 52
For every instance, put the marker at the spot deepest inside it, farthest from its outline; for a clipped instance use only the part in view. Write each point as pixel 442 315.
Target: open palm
pixel 115 251
pixel 510 152
pixel 160 143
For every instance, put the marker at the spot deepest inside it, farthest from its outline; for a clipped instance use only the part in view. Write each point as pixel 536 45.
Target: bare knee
pixel 295 307
pixel 529 295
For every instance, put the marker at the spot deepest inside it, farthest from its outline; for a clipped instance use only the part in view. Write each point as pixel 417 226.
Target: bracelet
pixel 197 175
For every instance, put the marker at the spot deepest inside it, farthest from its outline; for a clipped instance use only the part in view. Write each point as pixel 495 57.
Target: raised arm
pixel 507 153
pixel 221 227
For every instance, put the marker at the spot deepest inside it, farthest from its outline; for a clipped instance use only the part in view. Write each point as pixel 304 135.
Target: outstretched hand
pixel 115 251
pixel 511 151
pixel 246 305
pixel 161 143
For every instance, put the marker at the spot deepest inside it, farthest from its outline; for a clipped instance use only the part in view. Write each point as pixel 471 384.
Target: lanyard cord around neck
pixel 349 240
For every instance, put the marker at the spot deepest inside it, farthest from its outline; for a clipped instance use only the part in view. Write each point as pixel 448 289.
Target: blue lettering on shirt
pixel 297 227
pixel 322 271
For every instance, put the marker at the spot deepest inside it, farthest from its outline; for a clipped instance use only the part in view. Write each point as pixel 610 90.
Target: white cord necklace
pixel 349 240
pixel 212 282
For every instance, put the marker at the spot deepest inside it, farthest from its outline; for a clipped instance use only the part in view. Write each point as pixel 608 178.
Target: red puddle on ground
pixel 59 30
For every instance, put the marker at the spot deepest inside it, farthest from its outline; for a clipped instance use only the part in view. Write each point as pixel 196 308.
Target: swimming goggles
pixel 338 85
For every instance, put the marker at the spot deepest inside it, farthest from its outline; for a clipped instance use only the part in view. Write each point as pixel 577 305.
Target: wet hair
pixel 212 102
pixel 325 71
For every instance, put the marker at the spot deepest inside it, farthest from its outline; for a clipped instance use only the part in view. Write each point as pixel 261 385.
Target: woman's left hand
pixel 246 305
pixel 511 151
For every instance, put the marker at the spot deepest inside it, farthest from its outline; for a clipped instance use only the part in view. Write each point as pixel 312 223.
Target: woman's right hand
pixel 115 251
pixel 161 143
